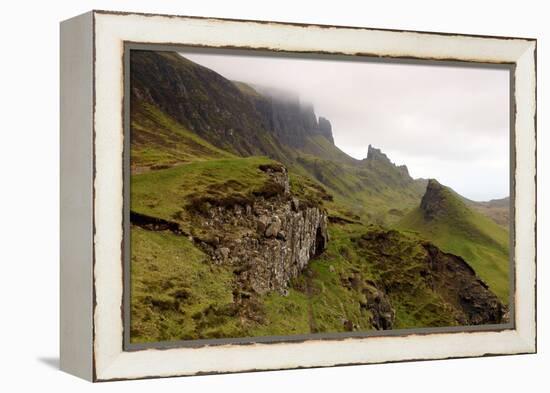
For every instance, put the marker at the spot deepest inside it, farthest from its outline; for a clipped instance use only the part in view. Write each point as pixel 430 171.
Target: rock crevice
pixel 269 241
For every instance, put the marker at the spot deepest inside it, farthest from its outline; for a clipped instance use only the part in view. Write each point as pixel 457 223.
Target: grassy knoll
pixel 462 231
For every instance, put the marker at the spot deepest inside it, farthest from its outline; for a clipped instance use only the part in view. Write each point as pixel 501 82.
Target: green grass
pixel 374 191
pixel 179 293
pixel 176 292
pixel 283 315
pixel 165 193
pixel 157 139
pixel 319 302
pixel 465 232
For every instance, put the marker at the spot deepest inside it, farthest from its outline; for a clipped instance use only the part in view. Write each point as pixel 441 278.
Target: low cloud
pixel 449 123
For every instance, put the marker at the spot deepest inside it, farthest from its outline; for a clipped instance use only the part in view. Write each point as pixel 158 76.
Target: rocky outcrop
pixel 434 200
pixel 440 202
pixel 392 174
pixel 290 120
pixel 379 305
pixel 268 240
pixel 455 279
pixel 463 298
pixel 374 154
pixel 325 129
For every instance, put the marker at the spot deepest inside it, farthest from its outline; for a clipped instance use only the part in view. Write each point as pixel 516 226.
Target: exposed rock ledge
pixel 269 240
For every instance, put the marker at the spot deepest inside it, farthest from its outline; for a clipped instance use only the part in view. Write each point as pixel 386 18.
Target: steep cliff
pixel 269 239
pixel 213 239
pixel 241 212
pixel 291 121
pixel 455 290
pixel 230 115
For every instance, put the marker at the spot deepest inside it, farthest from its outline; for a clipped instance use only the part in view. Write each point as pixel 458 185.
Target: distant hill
pixel 496 209
pixel 451 224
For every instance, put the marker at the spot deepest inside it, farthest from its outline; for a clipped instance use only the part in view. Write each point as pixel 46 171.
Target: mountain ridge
pixel 236 118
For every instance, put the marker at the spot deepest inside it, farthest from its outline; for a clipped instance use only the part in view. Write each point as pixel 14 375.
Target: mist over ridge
pixel 442 122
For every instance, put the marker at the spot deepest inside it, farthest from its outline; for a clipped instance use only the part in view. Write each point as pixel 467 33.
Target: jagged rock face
pixel 379 305
pixel 465 297
pixel 269 241
pixel 216 109
pixel 458 283
pixel 374 154
pixel 325 129
pixel 291 121
pixel 434 201
pixel 393 175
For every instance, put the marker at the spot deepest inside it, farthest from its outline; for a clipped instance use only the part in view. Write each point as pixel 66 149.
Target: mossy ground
pixel 163 263
pixel 176 292
pixel 167 192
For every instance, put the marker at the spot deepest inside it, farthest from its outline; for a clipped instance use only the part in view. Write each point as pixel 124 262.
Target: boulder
pixel 274 227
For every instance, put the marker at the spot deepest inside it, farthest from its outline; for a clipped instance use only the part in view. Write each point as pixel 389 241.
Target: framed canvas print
pixel 246 195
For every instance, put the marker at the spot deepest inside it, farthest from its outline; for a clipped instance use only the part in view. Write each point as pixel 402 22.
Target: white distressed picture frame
pixel 92 143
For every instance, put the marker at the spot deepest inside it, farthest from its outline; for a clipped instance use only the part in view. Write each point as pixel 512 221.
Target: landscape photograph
pixel 279 195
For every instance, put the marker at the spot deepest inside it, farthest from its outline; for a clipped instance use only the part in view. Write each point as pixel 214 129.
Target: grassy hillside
pixel 205 154
pixel 456 228
pixel 367 278
pixel 173 285
pixel 165 193
pixel 337 290
pixel 158 140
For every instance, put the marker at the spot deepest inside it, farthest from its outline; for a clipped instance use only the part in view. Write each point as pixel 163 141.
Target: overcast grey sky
pixel 447 123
